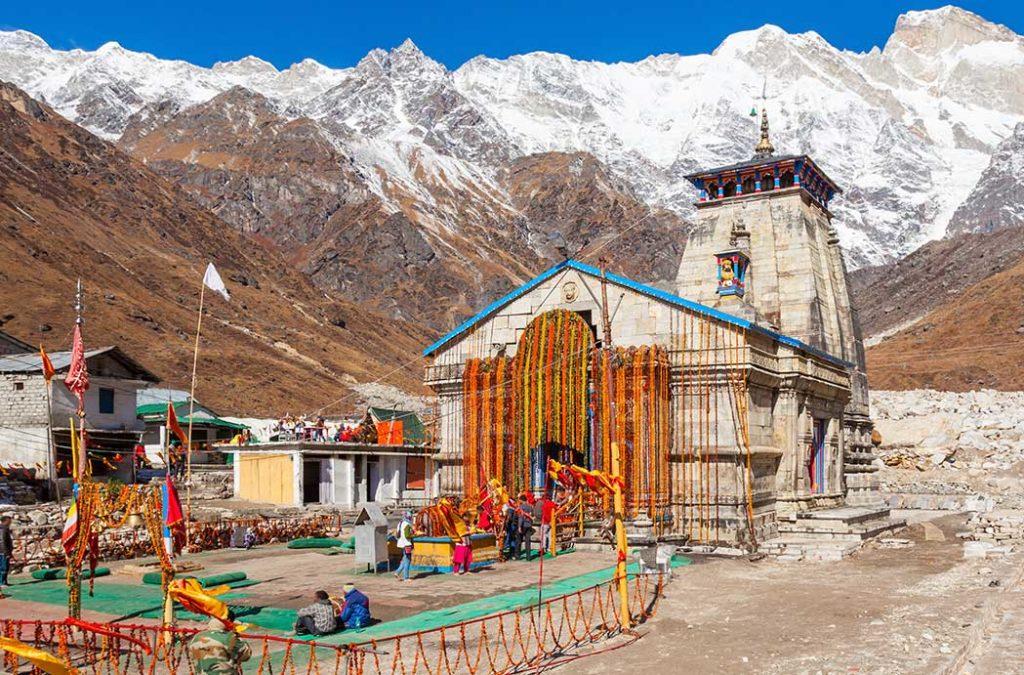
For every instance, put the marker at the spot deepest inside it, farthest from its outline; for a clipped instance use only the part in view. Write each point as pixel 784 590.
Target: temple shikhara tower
pixel 739 402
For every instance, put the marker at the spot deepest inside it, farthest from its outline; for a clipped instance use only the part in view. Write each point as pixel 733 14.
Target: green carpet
pixel 130 601
pixel 121 600
pixel 474 609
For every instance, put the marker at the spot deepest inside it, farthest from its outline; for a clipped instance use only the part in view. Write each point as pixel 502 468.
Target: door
pixel 819 462
pixel 326 482
pixel 372 479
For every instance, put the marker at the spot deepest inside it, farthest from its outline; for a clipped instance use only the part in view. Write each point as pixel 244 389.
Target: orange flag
pixel 174 427
pixel 48 370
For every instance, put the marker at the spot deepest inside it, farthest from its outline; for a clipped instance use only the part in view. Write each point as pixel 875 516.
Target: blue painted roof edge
pixel 639 288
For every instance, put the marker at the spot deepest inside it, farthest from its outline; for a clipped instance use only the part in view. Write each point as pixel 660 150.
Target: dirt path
pixel 882 611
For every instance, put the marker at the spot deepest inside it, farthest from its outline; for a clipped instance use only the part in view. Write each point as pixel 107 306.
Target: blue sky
pixel 340 33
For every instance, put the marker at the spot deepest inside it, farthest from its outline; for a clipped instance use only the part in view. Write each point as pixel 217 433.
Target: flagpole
pixel 50 459
pixel 191 409
pixel 83 454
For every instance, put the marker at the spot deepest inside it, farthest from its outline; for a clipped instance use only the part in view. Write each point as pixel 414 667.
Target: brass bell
pixel 135 520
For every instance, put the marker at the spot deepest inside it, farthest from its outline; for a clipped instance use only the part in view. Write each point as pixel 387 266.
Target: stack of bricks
pixel 993 533
pixel 13 491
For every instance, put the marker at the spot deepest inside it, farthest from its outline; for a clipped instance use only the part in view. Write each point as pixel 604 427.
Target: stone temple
pixel 738 398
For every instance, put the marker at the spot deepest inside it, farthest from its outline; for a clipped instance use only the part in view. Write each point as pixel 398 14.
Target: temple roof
pixel 643 289
pixel 762 161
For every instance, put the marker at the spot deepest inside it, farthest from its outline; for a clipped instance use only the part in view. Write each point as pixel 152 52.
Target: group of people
pixel 327 615
pixel 519 522
pixel 314 429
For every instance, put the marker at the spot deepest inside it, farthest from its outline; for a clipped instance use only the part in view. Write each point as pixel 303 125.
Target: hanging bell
pixel 135 520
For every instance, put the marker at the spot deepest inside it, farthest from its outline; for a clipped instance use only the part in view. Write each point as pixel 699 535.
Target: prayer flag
pixel 77 379
pixel 172 513
pixel 48 370
pixel 174 426
pixel 69 537
pixel 213 281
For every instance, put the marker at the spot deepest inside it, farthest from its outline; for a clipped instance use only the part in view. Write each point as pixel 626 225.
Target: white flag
pixel 213 281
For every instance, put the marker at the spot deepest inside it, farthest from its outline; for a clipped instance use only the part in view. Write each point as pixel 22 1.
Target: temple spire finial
pixel 764 146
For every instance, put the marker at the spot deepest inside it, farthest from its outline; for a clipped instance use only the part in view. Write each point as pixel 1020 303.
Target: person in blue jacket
pixel 356 613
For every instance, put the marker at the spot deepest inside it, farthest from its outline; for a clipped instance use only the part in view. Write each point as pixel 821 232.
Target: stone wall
pixel 37 531
pixel 212 482
pixel 951 450
pixel 24 406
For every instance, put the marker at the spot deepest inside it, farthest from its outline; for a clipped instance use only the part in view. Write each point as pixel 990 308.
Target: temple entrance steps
pixel 829 534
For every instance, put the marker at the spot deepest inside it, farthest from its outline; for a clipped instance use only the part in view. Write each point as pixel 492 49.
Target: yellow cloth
pixel 193 597
pixel 44 661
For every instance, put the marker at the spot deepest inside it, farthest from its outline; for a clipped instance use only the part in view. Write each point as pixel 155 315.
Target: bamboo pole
pixel 51 460
pixel 191 410
pixel 620 540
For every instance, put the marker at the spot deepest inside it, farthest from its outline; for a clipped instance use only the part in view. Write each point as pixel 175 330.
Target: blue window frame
pixel 106 401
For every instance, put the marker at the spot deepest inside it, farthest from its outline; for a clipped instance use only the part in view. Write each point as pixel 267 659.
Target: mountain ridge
pixel 895 126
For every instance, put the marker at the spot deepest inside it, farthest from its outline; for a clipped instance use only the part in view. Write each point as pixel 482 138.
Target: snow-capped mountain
pixel 906 130
pixel 997 201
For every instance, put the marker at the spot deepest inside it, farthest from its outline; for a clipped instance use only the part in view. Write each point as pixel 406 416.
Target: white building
pixel 111 422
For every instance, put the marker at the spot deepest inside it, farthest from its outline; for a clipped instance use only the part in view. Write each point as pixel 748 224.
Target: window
pixel 748 185
pixel 106 401
pixel 19 386
pixel 730 189
pixel 712 191
pixel 786 180
pixel 415 473
pixel 767 182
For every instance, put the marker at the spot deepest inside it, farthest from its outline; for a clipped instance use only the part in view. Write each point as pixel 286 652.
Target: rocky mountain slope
pixel 72 205
pixel 998 198
pixel 897 295
pixel 972 339
pixel 907 129
pixel 427 241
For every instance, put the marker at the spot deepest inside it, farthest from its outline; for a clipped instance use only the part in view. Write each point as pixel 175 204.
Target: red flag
pixel 48 370
pixel 77 380
pixel 174 426
pixel 172 508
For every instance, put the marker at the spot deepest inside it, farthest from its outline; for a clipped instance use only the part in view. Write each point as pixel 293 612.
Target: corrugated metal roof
pixel 643 289
pixel 31 362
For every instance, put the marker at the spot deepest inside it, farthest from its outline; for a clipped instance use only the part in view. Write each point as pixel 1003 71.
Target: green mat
pixel 155 578
pixel 124 600
pixel 322 542
pixel 60 573
pixel 120 600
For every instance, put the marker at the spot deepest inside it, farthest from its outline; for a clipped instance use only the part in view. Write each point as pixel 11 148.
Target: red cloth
pixel 174 513
pixel 547 510
pixel 462 558
pixel 77 379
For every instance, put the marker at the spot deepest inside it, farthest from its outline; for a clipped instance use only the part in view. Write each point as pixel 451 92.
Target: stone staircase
pixel 829 534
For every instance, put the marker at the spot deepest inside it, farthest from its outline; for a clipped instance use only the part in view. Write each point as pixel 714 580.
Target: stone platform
pixel 829 534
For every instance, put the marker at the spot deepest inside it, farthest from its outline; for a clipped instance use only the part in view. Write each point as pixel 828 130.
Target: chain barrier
pixel 514 641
